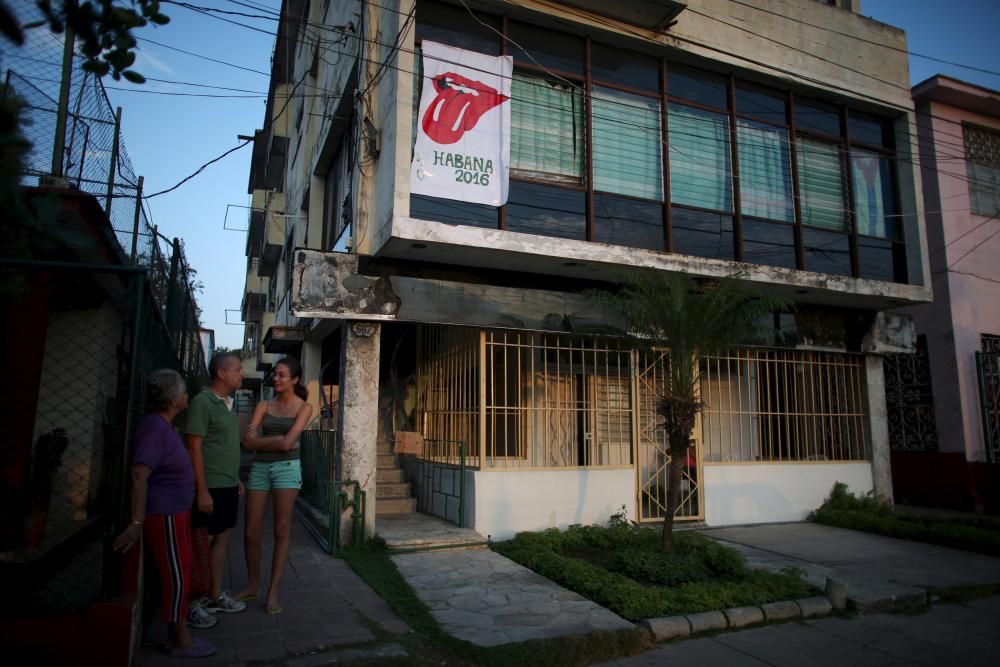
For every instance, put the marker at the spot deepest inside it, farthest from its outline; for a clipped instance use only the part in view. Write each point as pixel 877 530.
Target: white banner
pixel 463 126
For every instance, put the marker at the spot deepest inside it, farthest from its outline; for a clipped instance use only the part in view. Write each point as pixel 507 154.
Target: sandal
pixel 273 608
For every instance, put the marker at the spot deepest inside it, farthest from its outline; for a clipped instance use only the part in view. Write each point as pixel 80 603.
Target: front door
pixel 653 455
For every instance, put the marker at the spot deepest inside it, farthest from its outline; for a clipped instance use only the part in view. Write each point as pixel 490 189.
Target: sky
pixel 168 137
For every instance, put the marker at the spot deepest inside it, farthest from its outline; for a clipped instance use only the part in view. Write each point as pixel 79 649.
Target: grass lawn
pixel 619 567
pixel 845 510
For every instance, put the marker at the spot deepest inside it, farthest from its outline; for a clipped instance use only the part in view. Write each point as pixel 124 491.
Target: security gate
pixel 653 455
pixel 988 365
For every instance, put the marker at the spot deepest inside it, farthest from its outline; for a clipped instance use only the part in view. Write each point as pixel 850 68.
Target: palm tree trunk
pixel 679 414
pixel 673 497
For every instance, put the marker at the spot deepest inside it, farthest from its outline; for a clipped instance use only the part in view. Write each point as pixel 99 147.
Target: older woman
pixel 273 432
pixel 162 495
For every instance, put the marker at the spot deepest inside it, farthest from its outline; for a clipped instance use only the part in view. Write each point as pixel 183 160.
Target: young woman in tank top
pixel 273 432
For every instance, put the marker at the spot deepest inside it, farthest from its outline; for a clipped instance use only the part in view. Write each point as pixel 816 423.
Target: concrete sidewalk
pixel 880 572
pixel 328 611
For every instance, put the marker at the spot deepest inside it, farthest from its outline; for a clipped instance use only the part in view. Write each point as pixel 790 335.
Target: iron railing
pixel 988 369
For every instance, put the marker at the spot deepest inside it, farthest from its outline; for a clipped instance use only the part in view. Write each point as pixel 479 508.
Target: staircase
pixel 392 493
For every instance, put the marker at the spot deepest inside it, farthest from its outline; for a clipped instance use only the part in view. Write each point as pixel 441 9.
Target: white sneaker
pixel 199 618
pixel 225 604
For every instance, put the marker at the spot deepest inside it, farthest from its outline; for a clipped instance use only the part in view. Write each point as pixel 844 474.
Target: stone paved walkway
pixel 328 610
pixel 487 599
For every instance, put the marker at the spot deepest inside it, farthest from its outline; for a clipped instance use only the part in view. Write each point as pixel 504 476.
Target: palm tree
pixel 685 319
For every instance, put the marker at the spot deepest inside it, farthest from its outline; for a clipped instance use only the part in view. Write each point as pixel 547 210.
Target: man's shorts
pixel 223 517
pixel 265 476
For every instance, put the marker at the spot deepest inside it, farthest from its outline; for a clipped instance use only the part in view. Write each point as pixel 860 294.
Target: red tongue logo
pixel 459 105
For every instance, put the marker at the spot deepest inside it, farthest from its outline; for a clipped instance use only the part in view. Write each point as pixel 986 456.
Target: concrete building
pixel 945 427
pixel 709 137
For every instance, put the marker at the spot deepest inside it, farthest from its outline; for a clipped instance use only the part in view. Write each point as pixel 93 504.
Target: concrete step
pixel 395 506
pixel 386 461
pixel 392 490
pixel 388 475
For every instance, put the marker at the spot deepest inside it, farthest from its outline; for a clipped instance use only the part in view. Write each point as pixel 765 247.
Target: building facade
pixel 774 140
pixel 946 444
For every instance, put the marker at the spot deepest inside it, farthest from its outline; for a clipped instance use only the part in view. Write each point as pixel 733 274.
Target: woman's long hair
pixel 295 370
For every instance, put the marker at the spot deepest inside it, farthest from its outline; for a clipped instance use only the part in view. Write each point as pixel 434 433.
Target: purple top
pixel 157 446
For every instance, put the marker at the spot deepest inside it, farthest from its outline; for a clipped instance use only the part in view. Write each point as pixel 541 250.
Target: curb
pixel 675 627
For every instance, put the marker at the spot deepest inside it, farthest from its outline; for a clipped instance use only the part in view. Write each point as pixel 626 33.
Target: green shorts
pixel 265 476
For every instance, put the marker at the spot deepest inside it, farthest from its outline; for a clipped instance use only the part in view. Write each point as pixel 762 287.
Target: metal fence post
pixel 171 307
pixel 59 141
pixel 114 161
pixel 138 218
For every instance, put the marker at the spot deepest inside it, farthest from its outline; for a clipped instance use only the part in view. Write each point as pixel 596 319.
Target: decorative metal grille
pixel 448 386
pixel 555 401
pixel 783 405
pixel 653 466
pixel 910 400
pixel 988 365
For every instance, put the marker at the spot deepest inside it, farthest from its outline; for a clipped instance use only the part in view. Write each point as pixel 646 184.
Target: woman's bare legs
pixel 284 503
pixel 256 504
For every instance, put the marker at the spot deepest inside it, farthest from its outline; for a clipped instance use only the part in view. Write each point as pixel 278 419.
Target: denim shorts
pixel 265 476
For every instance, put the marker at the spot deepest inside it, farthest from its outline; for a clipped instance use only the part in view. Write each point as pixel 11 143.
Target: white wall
pixel 763 493
pixel 504 503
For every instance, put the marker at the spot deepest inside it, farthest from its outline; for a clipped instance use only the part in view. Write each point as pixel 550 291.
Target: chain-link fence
pixel 94 158
pixel 80 337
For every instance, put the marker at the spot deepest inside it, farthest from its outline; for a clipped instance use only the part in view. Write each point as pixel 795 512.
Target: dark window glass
pixel 547 211
pixel 453 26
pixel 702 234
pixel 817 117
pixel 625 68
pixel 768 243
pixel 876 259
pixel 826 252
pixel 868 129
pixel 628 222
pixel 760 103
pixel 453 212
pixel 697 86
pixel 548 48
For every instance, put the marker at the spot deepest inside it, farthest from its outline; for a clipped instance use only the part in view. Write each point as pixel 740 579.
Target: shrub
pixel 639 582
pixel 868 514
pixel 654 568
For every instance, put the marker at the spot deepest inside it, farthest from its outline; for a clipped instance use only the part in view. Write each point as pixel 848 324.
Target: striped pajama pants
pixel 169 538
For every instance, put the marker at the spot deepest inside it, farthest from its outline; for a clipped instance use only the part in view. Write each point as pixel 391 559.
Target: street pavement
pixel 329 613
pixel 966 635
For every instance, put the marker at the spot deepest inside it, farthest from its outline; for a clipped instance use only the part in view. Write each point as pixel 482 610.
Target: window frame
pixel 795 132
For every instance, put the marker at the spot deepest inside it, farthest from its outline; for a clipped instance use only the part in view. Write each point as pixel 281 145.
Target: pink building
pixel 959 145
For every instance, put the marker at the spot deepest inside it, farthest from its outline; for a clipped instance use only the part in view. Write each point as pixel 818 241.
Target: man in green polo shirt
pixel 212 434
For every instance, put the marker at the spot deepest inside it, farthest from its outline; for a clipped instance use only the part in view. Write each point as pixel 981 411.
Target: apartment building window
pixel 982 156
pixel 337 195
pixel 547 130
pixel 613 146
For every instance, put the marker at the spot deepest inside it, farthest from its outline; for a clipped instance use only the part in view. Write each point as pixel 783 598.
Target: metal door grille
pixel 653 459
pixel 909 400
pixel 988 367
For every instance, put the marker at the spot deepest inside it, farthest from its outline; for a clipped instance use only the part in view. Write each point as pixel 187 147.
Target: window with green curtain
pixel 873 200
pixel 547 129
pixel 627 144
pixel 821 184
pixel 765 171
pixel 700 161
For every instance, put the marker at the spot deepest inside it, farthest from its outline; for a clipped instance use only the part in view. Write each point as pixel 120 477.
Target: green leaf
pixel 134 76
